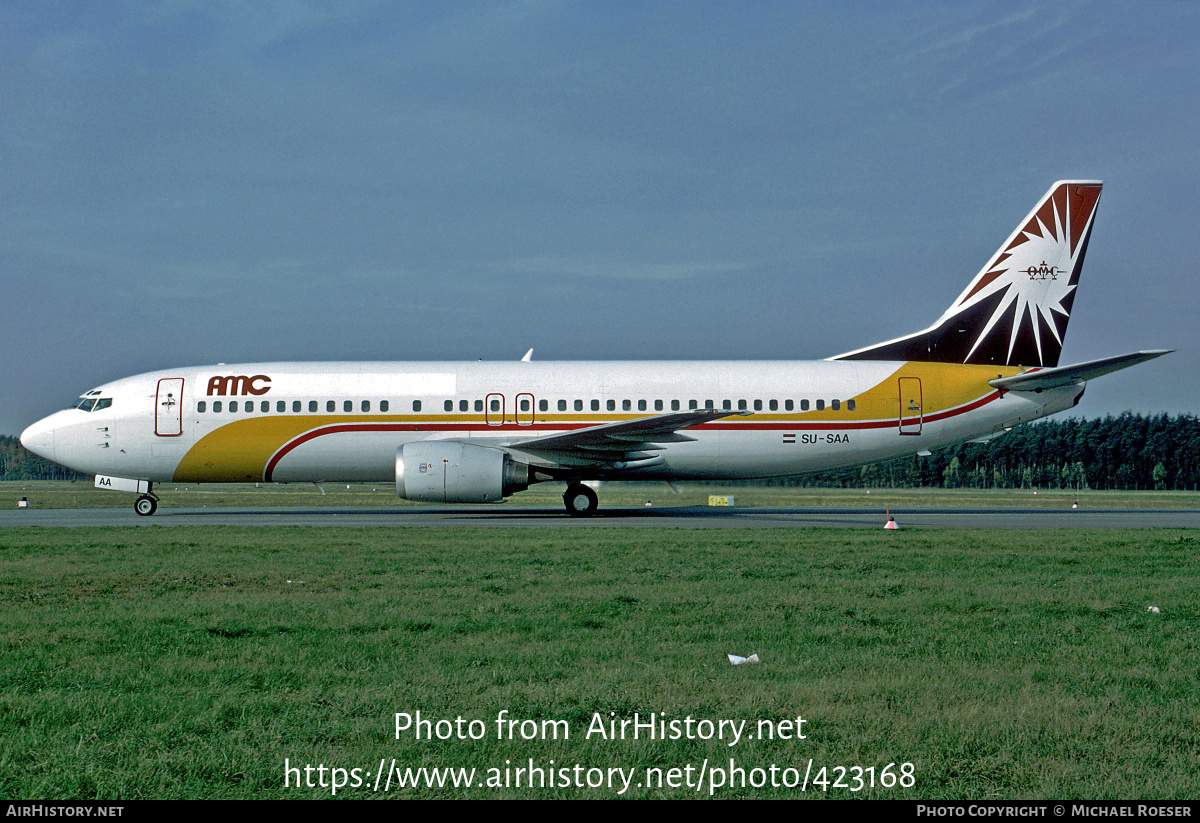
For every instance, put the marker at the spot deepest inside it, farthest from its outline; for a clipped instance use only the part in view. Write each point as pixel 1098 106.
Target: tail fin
pixel 1015 311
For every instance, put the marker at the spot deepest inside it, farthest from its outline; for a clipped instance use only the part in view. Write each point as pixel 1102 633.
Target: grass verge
pixel 46 494
pixel 183 663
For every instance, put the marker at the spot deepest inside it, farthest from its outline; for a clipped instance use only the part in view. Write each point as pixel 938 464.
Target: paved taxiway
pixel 657 517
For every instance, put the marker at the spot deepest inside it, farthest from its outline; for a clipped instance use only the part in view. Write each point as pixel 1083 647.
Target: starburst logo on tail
pixel 1015 310
pixel 1032 279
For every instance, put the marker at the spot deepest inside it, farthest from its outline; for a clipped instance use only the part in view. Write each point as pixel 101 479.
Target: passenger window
pixel 330 406
pixel 674 405
pixel 578 405
pixel 658 405
pixel 264 406
pixel 693 404
pixel 741 405
pixel 312 405
pixel 626 405
pixel 562 405
pixel 849 405
pixel 416 405
pixel 233 405
pixel 758 405
pixel 348 405
pixel 281 406
pixel 201 406
pixel 216 405
pixel 611 405
pixel 803 405
pixel 837 405
pixel 383 405
pixel 496 404
pixel 478 405
pixel 448 405
pixel 788 405
pixel 773 405
pixel 524 404
pixel 463 405
pixel 595 405
pixel 543 405
pixel 366 405
pixel 820 405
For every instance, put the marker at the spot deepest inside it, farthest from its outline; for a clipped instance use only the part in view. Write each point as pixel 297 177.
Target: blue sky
pixel 193 182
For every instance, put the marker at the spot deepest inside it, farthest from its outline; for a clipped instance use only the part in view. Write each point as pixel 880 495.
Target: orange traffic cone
pixel 891 523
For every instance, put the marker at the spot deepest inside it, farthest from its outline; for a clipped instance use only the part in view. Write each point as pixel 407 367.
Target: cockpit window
pixel 90 403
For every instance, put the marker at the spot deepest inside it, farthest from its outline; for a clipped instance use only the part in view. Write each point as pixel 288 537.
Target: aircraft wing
pixel 1042 379
pixel 627 441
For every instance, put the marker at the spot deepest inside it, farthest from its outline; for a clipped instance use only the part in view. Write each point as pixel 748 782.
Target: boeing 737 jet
pixel 478 432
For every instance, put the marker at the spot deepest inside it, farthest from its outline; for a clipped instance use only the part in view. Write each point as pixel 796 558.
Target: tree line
pixel 18 464
pixel 1127 452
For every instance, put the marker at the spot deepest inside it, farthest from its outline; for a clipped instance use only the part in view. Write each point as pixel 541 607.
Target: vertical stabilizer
pixel 1015 311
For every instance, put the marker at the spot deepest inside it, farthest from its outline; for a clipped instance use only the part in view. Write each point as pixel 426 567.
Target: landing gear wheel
pixel 580 500
pixel 145 505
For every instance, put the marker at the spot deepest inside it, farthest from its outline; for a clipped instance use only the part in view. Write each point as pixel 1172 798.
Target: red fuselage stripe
pixel 340 428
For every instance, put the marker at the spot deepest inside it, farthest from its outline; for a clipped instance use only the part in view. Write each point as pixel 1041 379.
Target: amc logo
pixel 1042 272
pixel 239 384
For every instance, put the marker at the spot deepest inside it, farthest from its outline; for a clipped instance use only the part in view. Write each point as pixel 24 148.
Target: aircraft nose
pixel 39 439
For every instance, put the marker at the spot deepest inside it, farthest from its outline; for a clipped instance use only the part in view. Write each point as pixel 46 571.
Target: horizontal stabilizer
pixel 1042 379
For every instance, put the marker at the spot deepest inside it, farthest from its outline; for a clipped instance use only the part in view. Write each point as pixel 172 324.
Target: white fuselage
pixel 285 422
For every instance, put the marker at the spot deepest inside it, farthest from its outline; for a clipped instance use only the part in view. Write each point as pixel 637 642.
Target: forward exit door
pixel 168 407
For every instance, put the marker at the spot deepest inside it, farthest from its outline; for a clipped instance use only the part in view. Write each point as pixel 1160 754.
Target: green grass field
pixel 192 662
pixel 66 495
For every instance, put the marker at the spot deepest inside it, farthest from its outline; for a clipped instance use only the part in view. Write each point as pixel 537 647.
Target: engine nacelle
pixel 438 471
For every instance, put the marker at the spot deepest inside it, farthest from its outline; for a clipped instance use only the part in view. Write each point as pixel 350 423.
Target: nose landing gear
pixel 580 500
pixel 146 505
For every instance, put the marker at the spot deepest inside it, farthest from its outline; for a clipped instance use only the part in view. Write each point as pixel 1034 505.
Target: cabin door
pixel 168 407
pixel 524 409
pixel 493 409
pixel 911 405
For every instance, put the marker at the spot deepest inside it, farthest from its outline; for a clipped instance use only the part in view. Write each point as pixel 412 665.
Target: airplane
pixel 478 432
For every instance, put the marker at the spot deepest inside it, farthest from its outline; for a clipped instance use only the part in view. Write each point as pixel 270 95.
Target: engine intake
pixel 438 471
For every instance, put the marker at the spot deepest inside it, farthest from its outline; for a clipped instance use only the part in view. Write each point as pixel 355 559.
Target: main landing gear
pixel 146 505
pixel 580 500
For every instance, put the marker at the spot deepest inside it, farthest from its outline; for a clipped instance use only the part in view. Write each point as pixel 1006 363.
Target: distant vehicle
pixel 478 432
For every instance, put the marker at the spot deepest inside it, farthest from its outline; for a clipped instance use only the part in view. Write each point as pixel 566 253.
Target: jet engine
pixel 439 471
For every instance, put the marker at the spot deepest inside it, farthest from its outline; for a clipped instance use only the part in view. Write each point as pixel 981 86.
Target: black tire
pixel 145 505
pixel 580 500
